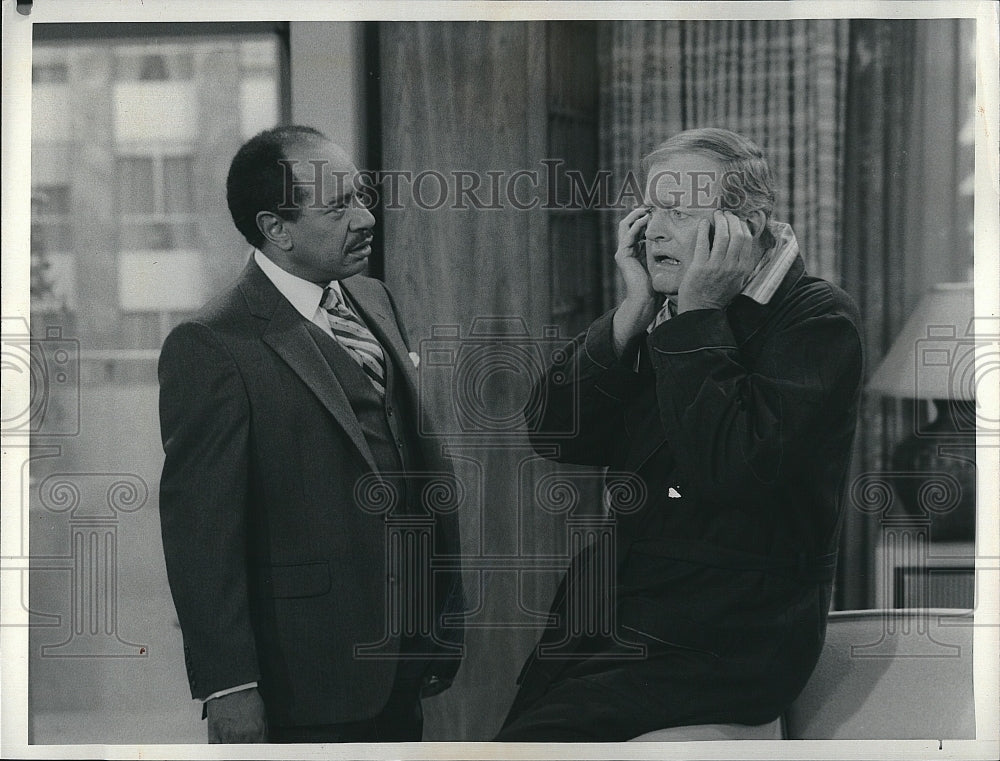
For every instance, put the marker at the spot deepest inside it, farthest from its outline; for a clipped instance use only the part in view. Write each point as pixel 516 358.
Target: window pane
pixel 51 200
pixel 259 97
pixel 181 65
pixel 127 67
pixel 50 73
pixel 51 236
pixel 178 184
pixel 131 137
pixel 153 68
pixel 140 330
pixel 258 55
pixel 146 236
pixel 153 63
pixel 136 191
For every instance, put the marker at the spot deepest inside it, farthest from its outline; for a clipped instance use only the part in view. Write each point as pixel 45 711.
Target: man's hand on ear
pixel 719 273
pixel 641 301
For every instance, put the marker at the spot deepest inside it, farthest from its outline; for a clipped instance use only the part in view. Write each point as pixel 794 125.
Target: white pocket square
pixel 673 493
pixel 416 358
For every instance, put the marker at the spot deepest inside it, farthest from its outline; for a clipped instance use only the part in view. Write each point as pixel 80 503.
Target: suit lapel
pixel 286 331
pixel 373 307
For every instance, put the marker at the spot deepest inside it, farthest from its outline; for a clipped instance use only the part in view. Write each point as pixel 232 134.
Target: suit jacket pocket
pixel 289 580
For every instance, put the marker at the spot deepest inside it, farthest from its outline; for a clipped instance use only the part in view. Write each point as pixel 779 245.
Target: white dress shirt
pixel 302 294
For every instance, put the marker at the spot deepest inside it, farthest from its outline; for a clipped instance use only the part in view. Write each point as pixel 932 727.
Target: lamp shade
pixel 933 357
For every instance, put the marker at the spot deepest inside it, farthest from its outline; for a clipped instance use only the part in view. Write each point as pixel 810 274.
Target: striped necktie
pixel 352 334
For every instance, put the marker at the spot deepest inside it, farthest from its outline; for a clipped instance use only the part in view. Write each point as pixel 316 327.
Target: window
pixel 51 239
pixel 131 139
pixel 155 197
pixel 154 62
pixel 50 218
pixel 54 73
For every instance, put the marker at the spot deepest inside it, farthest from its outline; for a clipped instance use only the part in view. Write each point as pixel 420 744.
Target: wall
pixel 479 286
pixel 327 81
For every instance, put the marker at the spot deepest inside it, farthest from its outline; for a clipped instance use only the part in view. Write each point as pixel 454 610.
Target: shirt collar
pixel 302 294
pixel 774 265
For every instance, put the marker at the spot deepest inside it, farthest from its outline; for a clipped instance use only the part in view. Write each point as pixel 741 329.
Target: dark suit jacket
pixel 739 425
pixel 275 571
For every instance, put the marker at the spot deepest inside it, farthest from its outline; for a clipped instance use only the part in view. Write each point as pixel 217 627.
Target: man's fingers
pixel 740 242
pixel 237 732
pixel 628 232
pixel 747 257
pixel 720 247
pixel 238 717
pixel 636 226
pixel 629 219
pixel 633 215
pixel 701 249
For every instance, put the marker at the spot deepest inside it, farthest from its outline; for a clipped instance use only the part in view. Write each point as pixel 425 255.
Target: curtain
pixel 781 83
pixel 880 82
pixel 907 219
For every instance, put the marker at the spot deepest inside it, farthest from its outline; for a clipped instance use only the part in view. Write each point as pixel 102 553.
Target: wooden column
pixel 459 101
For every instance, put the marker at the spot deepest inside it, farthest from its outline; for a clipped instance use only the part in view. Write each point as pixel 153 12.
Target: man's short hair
pixel 747 183
pixel 256 180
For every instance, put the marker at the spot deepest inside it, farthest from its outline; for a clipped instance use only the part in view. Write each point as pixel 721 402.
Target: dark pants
pixel 576 710
pixel 604 700
pixel 401 720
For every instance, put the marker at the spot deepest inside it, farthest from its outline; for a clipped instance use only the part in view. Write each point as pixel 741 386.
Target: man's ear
pixel 756 222
pixel 273 228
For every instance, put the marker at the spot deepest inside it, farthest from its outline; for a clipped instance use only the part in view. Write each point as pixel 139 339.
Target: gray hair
pixel 747 183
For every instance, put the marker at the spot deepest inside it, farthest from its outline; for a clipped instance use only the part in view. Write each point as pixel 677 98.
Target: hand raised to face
pixel 720 271
pixel 628 256
pixel 641 300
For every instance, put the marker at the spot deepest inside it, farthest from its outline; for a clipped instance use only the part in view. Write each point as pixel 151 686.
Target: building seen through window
pixel 131 140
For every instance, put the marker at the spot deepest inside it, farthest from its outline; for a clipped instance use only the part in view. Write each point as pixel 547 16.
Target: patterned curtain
pixel 781 83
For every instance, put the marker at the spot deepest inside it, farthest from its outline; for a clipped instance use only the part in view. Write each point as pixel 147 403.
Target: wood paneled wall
pixel 473 97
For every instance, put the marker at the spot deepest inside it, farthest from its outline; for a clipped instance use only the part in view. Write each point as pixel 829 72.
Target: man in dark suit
pixel 726 383
pixel 288 410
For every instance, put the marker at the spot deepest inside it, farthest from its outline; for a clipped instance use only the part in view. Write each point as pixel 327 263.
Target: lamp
pixel 933 359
